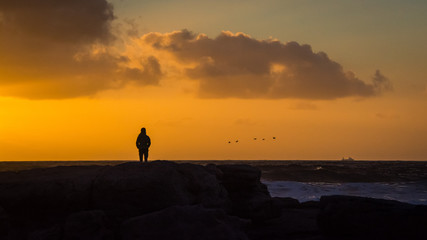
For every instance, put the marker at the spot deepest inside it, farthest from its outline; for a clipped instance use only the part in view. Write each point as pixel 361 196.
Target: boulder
pixel 284 202
pixel 51 233
pixel 4 223
pixel 56 191
pixel 93 225
pixel 82 201
pixel 184 223
pixel 293 223
pixel 133 188
pixel 310 204
pixel 250 198
pixel 371 218
pixel 204 186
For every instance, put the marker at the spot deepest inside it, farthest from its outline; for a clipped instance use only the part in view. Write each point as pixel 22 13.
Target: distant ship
pixel 349 159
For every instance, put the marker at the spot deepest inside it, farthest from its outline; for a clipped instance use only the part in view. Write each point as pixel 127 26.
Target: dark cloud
pixel 68 48
pixel 381 83
pixel 236 65
pixel 73 21
pixel 59 49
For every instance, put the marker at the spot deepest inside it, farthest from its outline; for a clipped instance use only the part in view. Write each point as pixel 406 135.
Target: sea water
pixel 410 192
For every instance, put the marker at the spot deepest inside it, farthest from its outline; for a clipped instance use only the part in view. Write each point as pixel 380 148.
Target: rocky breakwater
pixel 166 200
pixel 119 202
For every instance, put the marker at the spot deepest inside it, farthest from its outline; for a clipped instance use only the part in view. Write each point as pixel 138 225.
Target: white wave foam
pixel 410 192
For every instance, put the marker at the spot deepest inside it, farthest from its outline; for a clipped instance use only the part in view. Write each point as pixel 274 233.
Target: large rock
pixel 284 202
pixel 93 225
pixel 250 198
pixel 368 218
pixel 4 223
pixel 184 223
pixel 294 223
pixel 60 191
pixel 44 203
pixel 204 185
pixel 134 188
pixel 42 193
pixel 54 232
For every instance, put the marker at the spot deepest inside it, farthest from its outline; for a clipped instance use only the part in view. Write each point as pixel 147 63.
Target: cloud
pixel 61 49
pixel 72 21
pixel 71 48
pixel 381 83
pixel 237 65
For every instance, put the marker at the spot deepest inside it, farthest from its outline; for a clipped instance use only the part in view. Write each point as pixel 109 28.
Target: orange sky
pixel 73 92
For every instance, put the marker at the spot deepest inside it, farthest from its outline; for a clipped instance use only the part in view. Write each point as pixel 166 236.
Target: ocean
pixel 404 181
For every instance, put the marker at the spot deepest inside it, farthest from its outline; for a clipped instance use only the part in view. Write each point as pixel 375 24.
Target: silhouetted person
pixel 143 142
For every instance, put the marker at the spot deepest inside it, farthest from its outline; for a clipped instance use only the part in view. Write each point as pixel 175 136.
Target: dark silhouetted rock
pixel 310 204
pixel 284 202
pixel 4 223
pixel 184 223
pixel 368 218
pixel 292 224
pixel 51 233
pixel 250 198
pixel 167 200
pixel 92 225
pixel 203 184
pixel 212 168
pixel 47 192
pixel 134 188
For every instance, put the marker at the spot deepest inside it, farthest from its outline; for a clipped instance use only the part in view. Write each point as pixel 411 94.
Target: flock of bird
pixel 263 139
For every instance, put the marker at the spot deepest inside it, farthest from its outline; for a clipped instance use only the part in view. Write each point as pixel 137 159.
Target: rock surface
pixel 92 224
pixel 371 218
pixel 185 222
pixel 250 198
pixel 166 200
pixel 134 189
pixel 46 192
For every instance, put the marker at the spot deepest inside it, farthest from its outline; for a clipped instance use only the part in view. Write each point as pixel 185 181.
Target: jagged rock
pixel 159 197
pixel 212 168
pixel 47 192
pixel 183 223
pixel 4 223
pixel 51 233
pixel 38 201
pixel 293 223
pixel 284 202
pixel 310 204
pixel 134 188
pixel 91 225
pixel 370 218
pixel 250 198
pixel 204 185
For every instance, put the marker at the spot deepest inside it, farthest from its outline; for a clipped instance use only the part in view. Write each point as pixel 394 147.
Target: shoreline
pixel 229 200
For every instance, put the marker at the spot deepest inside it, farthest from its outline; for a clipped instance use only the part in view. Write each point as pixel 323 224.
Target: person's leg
pixel 141 153
pixel 146 156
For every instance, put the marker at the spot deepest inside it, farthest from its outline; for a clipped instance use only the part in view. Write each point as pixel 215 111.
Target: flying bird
pixel 237 141
pixel 254 138
pixel 274 137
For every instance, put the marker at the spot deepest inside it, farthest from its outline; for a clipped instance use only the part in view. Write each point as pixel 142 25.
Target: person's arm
pixel 138 141
pixel 149 141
